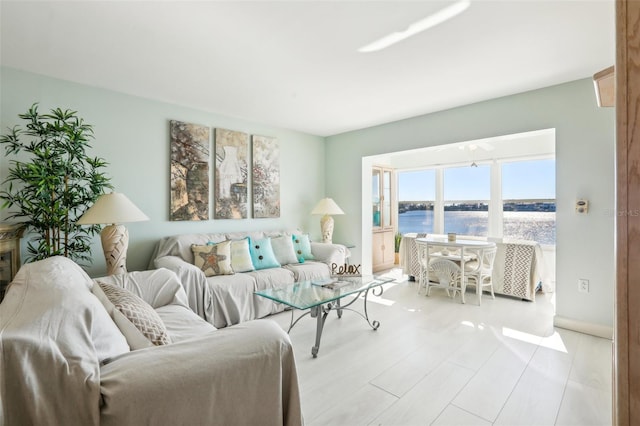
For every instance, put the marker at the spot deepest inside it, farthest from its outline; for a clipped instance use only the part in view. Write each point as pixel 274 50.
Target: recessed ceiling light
pixel 417 27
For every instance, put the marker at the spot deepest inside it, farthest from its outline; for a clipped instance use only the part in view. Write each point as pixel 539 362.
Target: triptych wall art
pixel 190 174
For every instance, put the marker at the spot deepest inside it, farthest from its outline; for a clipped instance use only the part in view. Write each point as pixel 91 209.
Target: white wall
pixel 132 134
pixel 584 169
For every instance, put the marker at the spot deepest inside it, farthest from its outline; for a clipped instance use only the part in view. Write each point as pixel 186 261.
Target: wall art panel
pixel 266 177
pixel 232 158
pixel 189 171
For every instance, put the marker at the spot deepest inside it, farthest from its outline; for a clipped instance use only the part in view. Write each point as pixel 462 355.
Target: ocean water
pixel 536 226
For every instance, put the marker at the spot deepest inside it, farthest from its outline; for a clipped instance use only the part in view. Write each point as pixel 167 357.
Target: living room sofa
pixel 225 299
pixel 66 359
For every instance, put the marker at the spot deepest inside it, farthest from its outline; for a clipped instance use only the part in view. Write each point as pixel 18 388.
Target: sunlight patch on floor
pixel 554 342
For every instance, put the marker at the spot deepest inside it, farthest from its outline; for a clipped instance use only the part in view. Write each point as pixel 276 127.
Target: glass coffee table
pixel 319 297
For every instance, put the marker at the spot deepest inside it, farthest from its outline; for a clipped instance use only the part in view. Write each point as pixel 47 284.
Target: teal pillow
pixel 262 255
pixel 302 246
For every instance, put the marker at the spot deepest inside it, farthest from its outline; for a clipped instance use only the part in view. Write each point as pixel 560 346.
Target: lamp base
pixel 326 226
pixel 115 240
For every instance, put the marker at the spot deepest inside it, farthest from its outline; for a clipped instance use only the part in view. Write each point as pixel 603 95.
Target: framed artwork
pixel 232 158
pixel 266 177
pixel 189 171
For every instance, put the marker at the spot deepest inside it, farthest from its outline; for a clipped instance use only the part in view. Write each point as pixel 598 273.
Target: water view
pixel 527 225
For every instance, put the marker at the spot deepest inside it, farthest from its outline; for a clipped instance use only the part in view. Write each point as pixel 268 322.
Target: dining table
pixel 457 250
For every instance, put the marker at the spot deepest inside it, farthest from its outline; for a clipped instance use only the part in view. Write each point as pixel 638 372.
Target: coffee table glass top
pixel 307 294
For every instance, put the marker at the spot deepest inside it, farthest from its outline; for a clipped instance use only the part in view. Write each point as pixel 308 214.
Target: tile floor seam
pixel 386 391
pixel 564 389
pixel 469 412
pixel 516 384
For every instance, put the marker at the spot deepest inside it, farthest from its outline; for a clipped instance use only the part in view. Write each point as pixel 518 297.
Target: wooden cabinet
pixel 383 201
pixel 382 245
pixel 10 235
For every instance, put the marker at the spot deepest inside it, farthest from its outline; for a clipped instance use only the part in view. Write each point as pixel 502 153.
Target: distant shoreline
pixel 512 206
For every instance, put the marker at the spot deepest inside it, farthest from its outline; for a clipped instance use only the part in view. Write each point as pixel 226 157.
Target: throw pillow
pixel 135 338
pixel 139 312
pixel 262 255
pixel 302 246
pixel 240 256
pixel 283 249
pixel 213 259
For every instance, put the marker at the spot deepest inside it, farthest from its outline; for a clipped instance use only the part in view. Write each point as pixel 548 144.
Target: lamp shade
pixel 112 208
pixel 327 206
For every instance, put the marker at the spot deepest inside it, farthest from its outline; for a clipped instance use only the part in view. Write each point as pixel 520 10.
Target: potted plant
pixel 53 182
pixel 398 239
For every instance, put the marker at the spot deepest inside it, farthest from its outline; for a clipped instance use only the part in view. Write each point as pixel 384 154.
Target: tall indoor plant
pixel 52 182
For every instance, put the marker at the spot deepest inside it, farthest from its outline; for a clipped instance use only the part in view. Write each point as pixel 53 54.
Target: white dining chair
pixel 422 249
pixel 445 273
pixel 479 272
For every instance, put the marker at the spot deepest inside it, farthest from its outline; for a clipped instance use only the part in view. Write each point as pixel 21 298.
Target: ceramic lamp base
pixel 326 226
pixel 115 240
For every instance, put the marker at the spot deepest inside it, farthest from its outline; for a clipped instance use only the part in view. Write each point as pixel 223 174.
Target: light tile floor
pixel 435 361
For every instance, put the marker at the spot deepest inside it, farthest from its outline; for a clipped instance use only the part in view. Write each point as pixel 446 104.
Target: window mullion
pixel 438 207
pixel 495 203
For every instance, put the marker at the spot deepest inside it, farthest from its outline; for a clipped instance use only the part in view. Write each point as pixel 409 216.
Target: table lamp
pixel 327 207
pixel 113 209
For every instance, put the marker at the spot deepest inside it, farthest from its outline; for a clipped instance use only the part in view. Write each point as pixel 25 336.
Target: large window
pixel 457 199
pixel 529 200
pixel 416 195
pixel 467 191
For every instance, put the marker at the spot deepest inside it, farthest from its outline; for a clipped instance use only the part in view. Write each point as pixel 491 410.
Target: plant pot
pixel 397 260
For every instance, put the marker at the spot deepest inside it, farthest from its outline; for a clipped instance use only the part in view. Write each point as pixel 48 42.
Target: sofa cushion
pixel 302 245
pixel 262 255
pixel 240 256
pixel 182 323
pixel 283 249
pixel 309 270
pixel 139 312
pixel 213 258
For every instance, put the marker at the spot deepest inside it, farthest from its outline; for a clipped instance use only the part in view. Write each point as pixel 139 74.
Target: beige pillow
pixel 139 312
pixel 213 259
pixel 135 338
pixel 240 256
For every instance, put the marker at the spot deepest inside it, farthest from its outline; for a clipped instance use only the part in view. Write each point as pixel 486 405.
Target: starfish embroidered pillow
pixel 213 259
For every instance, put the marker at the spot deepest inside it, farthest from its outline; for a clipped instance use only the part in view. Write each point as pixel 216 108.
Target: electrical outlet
pixel 583 285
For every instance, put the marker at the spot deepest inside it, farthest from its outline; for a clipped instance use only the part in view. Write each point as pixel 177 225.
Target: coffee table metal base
pixel 320 312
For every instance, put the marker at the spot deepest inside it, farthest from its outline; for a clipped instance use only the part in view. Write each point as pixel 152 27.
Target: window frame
pixel 495 228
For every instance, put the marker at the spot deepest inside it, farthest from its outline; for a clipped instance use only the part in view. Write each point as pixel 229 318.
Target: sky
pixel 520 180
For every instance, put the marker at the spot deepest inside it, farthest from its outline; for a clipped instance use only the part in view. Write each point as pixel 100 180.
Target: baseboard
pixel 597 330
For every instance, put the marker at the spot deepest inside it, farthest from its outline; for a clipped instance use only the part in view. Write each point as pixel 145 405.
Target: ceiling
pixel 295 64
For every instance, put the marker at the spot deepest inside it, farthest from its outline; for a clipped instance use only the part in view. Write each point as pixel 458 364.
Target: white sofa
pixel 225 300
pixel 66 362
